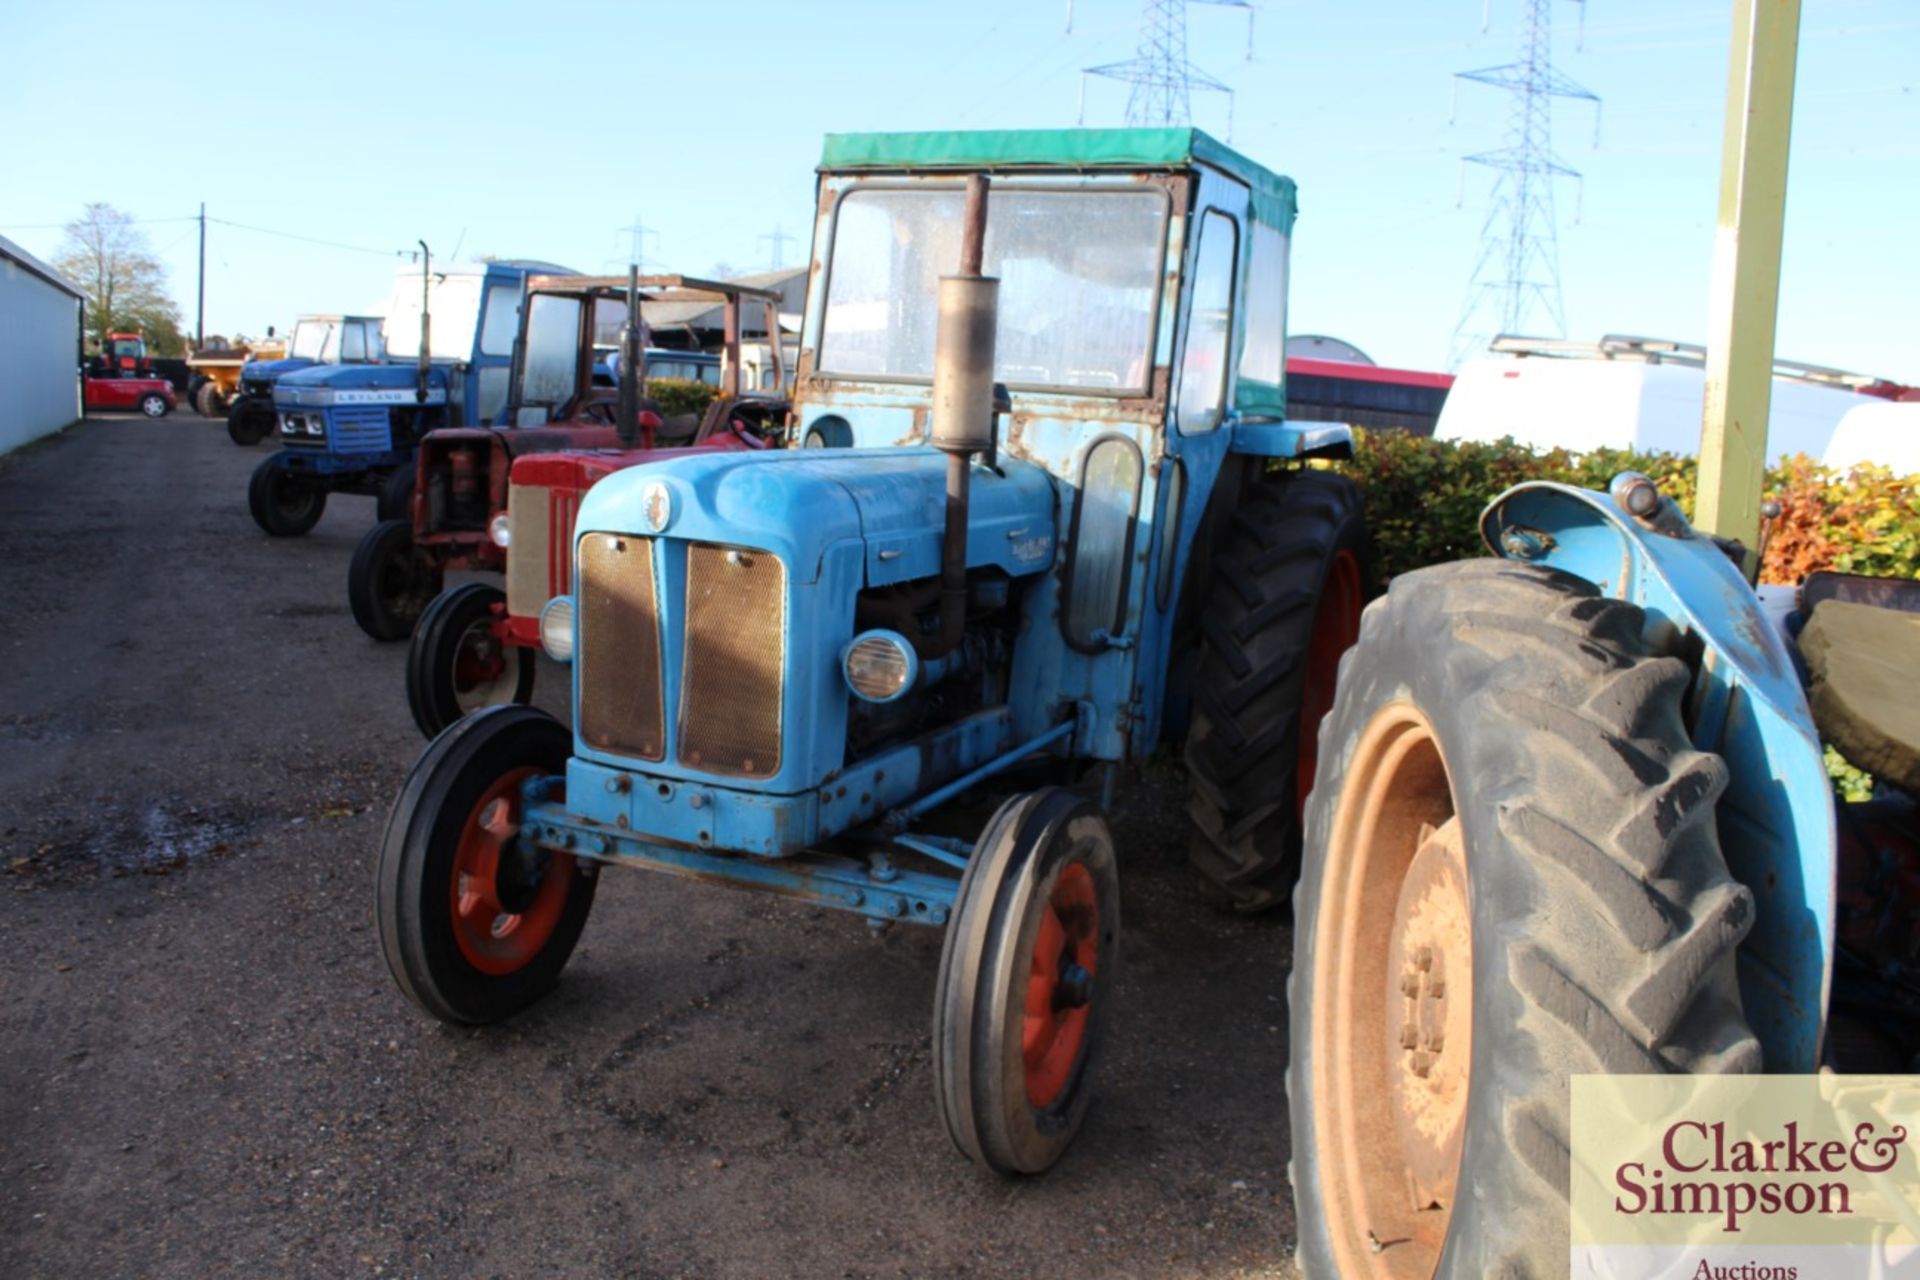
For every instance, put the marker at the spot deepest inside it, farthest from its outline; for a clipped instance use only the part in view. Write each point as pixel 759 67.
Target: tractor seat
pixel 1866 700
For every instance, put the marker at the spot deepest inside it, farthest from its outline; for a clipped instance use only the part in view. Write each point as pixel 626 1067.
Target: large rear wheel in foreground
pixel 458 664
pixel 1026 973
pixel 475 923
pixel 1512 876
pixel 1289 581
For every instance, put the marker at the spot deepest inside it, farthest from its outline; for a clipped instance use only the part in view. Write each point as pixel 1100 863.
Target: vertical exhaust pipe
pixel 627 413
pixel 426 325
pixel 963 402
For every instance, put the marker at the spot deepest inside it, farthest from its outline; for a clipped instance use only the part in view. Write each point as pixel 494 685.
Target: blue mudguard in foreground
pixel 1776 820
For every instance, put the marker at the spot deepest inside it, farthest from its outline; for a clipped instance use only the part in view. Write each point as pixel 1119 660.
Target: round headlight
pixel 656 505
pixel 500 530
pixel 556 628
pixel 880 665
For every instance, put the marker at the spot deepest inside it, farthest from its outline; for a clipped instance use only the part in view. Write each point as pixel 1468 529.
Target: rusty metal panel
pixel 529 548
pixel 731 682
pixel 621 704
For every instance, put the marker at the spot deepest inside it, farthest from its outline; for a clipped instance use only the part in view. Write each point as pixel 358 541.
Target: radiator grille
pixel 735 639
pixel 359 428
pixel 530 548
pixel 618 625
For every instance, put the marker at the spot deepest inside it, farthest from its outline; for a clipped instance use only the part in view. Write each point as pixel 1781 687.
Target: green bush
pixel 1424 499
pixel 679 395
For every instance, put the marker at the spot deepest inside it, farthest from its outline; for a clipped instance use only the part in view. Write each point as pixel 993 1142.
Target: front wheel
pixel 475 922
pixel 1026 974
pixel 283 504
pixel 458 663
pixel 1513 876
pixel 395 501
pixel 249 421
pixel 389 581
pixel 154 405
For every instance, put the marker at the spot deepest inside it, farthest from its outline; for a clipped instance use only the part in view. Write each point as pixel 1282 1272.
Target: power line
pixel 1517 276
pixel 331 244
pixel 1160 76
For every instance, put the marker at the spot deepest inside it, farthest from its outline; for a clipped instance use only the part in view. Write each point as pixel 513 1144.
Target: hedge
pixel 1424 499
pixel 679 395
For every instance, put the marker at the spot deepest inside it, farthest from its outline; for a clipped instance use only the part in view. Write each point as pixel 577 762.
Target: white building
pixel 40 317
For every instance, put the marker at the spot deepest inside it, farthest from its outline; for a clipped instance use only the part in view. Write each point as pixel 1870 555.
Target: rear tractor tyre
pixel 1513 875
pixel 457 663
pixel 389 582
pixel 1289 581
pixel 396 494
pixel 476 924
pixel 283 504
pixel 154 405
pixel 249 422
pixel 1026 974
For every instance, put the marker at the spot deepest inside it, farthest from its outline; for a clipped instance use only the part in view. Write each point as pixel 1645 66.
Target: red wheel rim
pixel 1066 955
pixel 494 940
pixel 1336 625
pixel 481 660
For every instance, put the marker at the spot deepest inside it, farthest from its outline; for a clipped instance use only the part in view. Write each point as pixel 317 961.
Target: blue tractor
pixel 354 428
pixel 316 340
pixel 1046 513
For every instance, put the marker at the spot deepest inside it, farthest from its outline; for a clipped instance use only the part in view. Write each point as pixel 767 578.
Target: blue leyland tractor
pixel 354 428
pixel 1045 512
pixel 316 340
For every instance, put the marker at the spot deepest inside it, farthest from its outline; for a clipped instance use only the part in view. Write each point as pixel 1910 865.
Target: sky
pixel 546 131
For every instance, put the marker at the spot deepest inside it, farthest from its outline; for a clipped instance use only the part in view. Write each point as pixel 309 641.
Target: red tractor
pixel 561 400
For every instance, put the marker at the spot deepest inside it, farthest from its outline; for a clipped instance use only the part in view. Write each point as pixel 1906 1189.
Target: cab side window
pixel 1203 369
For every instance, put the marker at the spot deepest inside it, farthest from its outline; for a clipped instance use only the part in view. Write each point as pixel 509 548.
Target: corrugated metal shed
pixel 40 314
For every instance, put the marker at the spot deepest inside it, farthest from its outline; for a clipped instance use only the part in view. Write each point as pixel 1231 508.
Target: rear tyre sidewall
pixel 417 857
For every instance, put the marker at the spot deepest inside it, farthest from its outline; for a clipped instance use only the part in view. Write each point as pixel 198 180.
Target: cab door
pixel 1200 418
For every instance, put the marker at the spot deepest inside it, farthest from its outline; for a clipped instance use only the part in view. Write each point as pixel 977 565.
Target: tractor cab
pixel 1040 394
pixel 124 355
pixel 316 340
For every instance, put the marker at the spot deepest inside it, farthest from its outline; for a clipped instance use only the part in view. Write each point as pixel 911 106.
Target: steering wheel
pixel 746 435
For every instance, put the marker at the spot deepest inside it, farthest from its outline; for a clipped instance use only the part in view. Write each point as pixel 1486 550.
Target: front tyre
pixel 1026 973
pixel 389 582
pixel 283 504
pixel 154 405
pixel 1289 581
pixel 475 924
pixel 1512 875
pixel 250 420
pixel 458 664
pixel 395 500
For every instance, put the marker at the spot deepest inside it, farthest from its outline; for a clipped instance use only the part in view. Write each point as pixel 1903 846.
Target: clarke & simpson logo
pixel 1745 1177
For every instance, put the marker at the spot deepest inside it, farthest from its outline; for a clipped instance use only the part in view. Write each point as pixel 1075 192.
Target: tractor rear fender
pixel 1746 704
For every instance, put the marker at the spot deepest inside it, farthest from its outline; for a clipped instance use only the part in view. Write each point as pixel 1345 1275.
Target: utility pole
pixel 200 308
pixel 775 258
pixel 1746 269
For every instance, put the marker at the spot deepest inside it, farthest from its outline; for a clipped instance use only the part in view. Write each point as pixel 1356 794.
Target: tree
pixel 125 285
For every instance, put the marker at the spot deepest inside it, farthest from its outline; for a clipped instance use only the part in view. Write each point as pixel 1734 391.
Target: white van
pixel 1647 394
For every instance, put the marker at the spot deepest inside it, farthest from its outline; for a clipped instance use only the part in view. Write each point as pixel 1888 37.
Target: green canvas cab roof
pixel 1274 201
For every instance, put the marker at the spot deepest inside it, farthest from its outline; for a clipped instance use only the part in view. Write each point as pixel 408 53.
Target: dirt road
pixel 205 1069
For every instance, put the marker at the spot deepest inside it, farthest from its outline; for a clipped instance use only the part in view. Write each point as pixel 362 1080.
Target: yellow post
pixel 1746 267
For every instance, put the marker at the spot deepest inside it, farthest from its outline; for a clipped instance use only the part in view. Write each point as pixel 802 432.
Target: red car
pixel 152 397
